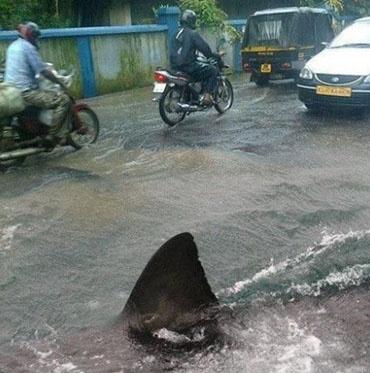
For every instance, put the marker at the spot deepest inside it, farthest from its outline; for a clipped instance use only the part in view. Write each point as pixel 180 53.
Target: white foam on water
pixel 7 236
pixel 93 304
pixel 350 276
pixel 178 338
pixel 66 368
pixel 328 242
pixel 171 336
pixel 273 344
pixel 333 239
pixel 106 154
pixel 47 362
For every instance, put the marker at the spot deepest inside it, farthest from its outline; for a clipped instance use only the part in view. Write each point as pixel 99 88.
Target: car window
pixel 356 34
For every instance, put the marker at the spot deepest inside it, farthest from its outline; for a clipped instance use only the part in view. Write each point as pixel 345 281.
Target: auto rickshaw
pixel 278 42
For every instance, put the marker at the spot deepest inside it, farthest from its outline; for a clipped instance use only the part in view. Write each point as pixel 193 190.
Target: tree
pixel 335 4
pixel 210 15
pixel 358 8
pixel 44 12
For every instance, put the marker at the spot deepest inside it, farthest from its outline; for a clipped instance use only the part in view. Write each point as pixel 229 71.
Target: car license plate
pixel 159 87
pixel 265 68
pixel 334 91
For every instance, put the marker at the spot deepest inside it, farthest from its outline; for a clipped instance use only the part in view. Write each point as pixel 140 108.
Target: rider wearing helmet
pixel 23 64
pixel 183 55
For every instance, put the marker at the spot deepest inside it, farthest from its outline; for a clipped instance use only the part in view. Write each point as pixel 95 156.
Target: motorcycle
pixel 179 95
pixel 25 133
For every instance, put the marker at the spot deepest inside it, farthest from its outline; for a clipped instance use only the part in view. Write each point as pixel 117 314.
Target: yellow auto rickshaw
pixel 278 42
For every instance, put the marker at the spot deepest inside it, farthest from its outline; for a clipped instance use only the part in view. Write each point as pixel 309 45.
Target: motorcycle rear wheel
pixel 168 106
pixel 90 128
pixel 225 96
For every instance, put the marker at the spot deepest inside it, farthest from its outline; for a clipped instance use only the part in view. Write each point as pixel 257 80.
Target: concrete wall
pixel 125 61
pixel 110 59
pixel 106 59
pixel 222 42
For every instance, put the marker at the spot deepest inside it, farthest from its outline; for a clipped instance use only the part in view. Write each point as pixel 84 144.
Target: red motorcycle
pixel 27 132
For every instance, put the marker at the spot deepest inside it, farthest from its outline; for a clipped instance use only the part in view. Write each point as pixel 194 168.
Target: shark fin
pixel 172 291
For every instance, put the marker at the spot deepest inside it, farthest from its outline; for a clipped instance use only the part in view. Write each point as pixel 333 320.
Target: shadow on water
pixel 283 86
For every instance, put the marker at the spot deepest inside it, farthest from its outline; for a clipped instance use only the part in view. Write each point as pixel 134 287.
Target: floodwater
pixel 277 199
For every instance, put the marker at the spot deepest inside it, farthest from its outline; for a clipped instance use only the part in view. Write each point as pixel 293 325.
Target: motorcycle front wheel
pixel 86 130
pixel 225 96
pixel 168 108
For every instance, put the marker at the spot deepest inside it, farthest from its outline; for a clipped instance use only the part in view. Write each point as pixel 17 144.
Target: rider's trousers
pixel 203 72
pixel 58 101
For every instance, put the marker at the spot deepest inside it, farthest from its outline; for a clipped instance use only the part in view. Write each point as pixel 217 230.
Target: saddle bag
pixel 11 100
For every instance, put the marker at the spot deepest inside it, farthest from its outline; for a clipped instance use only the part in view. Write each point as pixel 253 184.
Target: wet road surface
pixel 277 198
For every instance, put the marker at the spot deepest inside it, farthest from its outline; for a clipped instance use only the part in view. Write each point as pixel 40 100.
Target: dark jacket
pixel 184 46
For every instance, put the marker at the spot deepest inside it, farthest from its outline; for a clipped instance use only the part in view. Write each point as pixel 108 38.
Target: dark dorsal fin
pixel 172 291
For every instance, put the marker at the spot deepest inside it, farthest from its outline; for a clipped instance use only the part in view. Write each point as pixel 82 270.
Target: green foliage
pixel 43 12
pixel 358 8
pixel 211 16
pixel 335 4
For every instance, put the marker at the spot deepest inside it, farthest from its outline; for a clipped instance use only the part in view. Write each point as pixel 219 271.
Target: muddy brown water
pixel 277 198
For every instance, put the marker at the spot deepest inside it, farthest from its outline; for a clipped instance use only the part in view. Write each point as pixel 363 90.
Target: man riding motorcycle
pixel 23 64
pixel 183 55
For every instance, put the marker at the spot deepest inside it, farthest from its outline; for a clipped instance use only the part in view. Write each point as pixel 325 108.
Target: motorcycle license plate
pixel 159 87
pixel 266 68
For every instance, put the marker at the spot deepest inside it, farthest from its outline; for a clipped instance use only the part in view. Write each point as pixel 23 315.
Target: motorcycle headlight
pixel 306 73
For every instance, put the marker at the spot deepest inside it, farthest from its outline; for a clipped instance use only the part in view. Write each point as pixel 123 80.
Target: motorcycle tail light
pixel 159 77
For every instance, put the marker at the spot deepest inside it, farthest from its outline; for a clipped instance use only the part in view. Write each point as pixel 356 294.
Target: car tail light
pixel 247 67
pixel 159 77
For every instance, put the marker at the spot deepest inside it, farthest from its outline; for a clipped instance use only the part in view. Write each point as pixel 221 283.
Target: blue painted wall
pixel 109 59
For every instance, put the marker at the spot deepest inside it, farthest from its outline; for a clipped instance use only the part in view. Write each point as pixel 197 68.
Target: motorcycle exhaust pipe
pixel 188 108
pixel 20 153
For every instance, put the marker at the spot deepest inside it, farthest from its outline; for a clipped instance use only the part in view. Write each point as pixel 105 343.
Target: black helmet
pixel 189 18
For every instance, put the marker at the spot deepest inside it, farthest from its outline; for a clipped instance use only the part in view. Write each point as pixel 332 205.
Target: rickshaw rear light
pixel 159 77
pixel 286 65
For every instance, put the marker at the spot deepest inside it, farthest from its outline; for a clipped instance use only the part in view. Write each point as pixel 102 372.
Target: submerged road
pixel 278 201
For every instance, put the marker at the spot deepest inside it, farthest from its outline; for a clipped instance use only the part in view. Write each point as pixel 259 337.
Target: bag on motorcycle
pixel 11 100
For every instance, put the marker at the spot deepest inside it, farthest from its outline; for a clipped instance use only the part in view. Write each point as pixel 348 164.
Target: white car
pixel 340 74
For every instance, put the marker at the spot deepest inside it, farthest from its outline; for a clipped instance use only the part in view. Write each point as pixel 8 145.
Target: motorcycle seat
pixel 184 76
pixel 181 74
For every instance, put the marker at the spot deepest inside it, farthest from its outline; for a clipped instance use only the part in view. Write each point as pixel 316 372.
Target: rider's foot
pixel 207 100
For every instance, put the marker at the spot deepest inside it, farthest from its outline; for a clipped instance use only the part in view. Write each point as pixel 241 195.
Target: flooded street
pixel 277 199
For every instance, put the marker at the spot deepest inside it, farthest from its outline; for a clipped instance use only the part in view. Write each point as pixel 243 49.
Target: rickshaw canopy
pixel 288 27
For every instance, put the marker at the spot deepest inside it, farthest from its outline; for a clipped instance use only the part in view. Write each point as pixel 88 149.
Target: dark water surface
pixel 278 200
